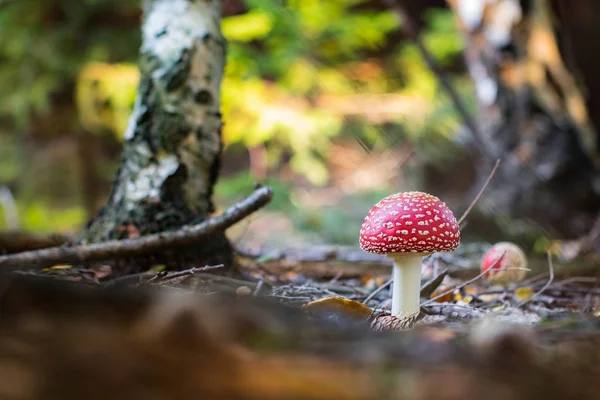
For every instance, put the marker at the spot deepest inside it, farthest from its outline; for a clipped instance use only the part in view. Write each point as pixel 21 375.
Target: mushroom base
pixel 406 286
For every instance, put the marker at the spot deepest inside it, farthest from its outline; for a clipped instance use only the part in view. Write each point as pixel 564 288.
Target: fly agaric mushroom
pixel 407 226
pixel 511 266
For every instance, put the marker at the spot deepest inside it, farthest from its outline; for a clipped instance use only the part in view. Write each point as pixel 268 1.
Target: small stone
pixel 243 291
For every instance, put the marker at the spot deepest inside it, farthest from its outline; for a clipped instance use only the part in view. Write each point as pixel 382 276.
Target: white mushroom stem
pixel 406 286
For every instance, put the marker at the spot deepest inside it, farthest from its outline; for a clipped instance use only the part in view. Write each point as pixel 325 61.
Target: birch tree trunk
pixel 533 112
pixel 173 143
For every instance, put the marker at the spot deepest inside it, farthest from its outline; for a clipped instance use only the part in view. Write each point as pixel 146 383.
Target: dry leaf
pixel 98 271
pixel 439 334
pixel 444 299
pixel 524 293
pixel 457 295
pixel 339 306
pixel 290 276
pixel 470 290
pixel 465 300
pixel 374 283
pixel 367 279
pixel 59 267
pixel 489 297
pixel 499 308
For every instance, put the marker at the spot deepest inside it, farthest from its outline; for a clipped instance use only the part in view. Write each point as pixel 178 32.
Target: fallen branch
pixel 134 247
pixel 12 241
pixel 177 277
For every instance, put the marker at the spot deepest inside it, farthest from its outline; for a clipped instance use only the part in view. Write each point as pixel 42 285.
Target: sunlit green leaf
pixel 246 27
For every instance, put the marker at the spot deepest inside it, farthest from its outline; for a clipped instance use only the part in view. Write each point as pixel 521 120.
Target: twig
pixel 575 279
pixel 452 311
pixel 409 28
pixel 467 283
pixel 476 199
pixel 434 283
pixel 376 291
pixel 126 280
pixel 546 286
pixel 340 289
pixel 336 277
pixel 430 287
pixel 179 276
pixel 259 287
pixel 235 283
pixel 533 280
pixel 590 237
pixel 134 247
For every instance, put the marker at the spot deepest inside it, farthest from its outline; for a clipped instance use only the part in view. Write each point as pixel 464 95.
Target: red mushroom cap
pixel 410 222
pixel 510 266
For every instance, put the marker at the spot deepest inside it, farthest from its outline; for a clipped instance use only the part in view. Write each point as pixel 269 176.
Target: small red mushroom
pixel 511 268
pixel 407 226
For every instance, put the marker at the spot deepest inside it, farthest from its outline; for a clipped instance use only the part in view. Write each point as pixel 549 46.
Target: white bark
pixel 173 140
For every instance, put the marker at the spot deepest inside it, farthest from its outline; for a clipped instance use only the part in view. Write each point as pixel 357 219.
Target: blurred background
pixel 329 102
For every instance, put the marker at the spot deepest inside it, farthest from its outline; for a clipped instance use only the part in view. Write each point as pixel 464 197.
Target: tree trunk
pixel 173 142
pixel 533 112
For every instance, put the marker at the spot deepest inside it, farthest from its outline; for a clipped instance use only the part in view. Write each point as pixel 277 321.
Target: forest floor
pixel 300 324
pixel 302 319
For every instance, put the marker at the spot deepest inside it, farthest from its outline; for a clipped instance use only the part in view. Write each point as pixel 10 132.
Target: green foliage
pixel 39 217
pixel 281 57
pixel 284 58
pixel 331 224
pixel 11 159
pixel 43 45
pixel 105 95
pixel 253 25
pixel 269 85
pixel 442 38
pixel 340 223
pixel 231 189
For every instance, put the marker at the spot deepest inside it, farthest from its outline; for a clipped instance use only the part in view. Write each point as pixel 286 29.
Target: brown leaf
pixel 339 306
pixel 444 299
pixel 98 271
